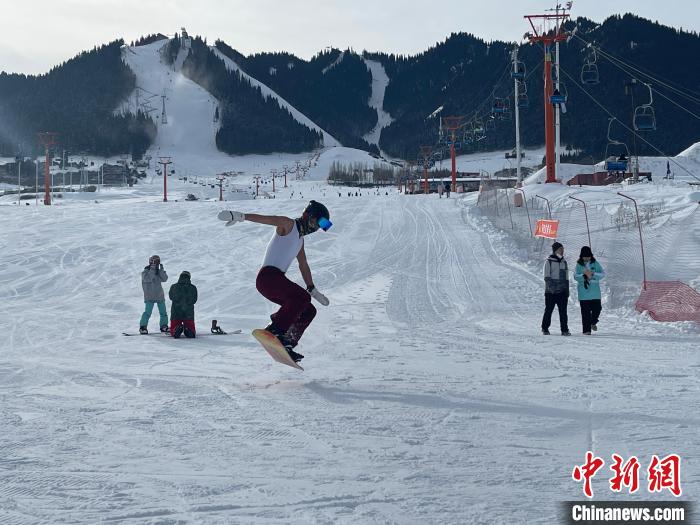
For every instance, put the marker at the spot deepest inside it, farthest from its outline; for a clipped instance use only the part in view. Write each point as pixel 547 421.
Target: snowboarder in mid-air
pixel 296 311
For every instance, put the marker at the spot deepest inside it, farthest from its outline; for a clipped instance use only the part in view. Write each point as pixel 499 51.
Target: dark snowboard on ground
pixel 168 333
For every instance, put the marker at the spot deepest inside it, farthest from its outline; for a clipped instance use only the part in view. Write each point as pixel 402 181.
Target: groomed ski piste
pixel 428 396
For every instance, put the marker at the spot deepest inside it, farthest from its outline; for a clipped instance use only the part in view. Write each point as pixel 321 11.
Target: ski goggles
pixel 324 224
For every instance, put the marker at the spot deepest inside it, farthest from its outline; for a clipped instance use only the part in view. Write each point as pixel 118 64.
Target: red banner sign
pixel 547 228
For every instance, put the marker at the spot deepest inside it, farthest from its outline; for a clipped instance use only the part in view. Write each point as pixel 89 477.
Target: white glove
pixel 231 217
pixel 318 296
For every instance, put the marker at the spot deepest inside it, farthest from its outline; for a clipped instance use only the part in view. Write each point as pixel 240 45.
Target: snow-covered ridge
pixel 337 61
pixel 380 80
pixel 328 139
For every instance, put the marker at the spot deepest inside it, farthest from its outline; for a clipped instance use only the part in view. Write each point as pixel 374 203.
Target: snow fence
pixel 608 223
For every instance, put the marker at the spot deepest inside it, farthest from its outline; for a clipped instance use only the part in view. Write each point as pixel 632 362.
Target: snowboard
pixel 273 347
pixel 183 337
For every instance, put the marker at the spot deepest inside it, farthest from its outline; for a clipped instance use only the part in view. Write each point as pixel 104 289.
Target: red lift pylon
pixel 48 139
pixel 452 124
pixel 549 33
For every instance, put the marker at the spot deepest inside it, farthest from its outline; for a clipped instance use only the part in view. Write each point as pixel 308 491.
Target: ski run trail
pixel 429 395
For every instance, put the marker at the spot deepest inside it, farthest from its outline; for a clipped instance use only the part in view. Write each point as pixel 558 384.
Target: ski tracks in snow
pixel 428 396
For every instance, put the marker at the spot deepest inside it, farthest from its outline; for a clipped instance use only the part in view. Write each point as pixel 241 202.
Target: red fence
pixel 670 301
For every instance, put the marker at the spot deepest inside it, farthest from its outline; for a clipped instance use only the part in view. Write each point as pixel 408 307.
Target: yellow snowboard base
pixel 274 348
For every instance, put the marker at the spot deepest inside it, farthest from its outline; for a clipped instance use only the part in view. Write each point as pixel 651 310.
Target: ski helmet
pixel 154 260
pixel 317 211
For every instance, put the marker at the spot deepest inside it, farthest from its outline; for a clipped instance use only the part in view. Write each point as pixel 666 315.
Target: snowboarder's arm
pixel 284 224
pixel 578 275
pixel 304 268
pixel 162 274
pixel 194 298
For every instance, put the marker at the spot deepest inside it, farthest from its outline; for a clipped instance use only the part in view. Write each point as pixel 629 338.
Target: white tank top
pixel 281 250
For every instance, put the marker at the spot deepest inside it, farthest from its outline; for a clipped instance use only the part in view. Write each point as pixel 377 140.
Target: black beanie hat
pixel 586 252
pixel 556 246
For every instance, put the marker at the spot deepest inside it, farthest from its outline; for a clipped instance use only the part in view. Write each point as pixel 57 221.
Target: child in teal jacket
pixel 588 274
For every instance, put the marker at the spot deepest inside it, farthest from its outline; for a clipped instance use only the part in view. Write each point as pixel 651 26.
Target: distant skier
pixel 556 293
pixel 296 311
pixel 447 190
pixel 588 274
pixel 183 294
pixel 152 278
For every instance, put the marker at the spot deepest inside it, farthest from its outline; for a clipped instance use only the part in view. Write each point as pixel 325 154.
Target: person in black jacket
pixel 183 294
pixel 556 291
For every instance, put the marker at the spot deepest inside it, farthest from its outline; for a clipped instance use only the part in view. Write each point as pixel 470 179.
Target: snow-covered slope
pixel 190 129
pixel 328 140
pixel 428 397
pixel 380 81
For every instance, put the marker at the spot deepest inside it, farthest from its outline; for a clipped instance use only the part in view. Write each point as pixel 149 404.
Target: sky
pixel 38 34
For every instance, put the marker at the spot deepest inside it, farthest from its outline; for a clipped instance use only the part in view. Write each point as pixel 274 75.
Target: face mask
pixel 305 227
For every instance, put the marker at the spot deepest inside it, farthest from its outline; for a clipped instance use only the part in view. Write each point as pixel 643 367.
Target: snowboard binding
pixel 216 329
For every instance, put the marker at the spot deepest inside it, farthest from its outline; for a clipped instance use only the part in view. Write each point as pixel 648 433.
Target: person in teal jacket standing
pixel 588 274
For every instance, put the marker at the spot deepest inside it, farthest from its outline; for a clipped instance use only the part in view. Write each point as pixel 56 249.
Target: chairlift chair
pixel 500 105
pixel 523 101
pixel 616 161
pixel 589 74
pixel 519 72
pixel 644 115
pixel 560 95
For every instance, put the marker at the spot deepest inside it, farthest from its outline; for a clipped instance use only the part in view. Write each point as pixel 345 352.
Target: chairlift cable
pixel 621 64
pixel 671 159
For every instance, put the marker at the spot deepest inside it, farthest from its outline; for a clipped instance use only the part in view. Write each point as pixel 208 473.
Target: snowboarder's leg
pixel 190 330
pixel 146 313
pixel 549 303
pixel 301 324
pixel 163 313
pixel 292 298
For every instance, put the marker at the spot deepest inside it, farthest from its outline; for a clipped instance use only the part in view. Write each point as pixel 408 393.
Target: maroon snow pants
pixel 296 311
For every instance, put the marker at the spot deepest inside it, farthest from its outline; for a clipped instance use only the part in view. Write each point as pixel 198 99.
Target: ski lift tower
pixel 164 161
pixel 452 124
pixel 547 29
pixel 425 152
pixel 48 139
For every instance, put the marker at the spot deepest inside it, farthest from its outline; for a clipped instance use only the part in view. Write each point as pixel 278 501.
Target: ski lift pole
pixel 585 212
pixel 641 241
pixel 510 214
pixel 517 116
pixel 529 223
pixel 549 209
